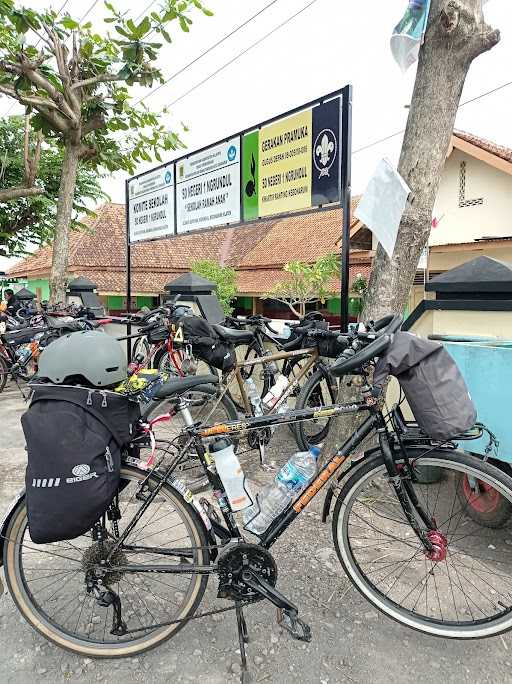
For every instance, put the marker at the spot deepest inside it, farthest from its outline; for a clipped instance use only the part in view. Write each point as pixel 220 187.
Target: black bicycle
pixel 405 540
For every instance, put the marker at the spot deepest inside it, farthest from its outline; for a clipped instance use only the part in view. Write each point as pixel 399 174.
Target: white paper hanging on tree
pixel 383 203
pixel 409 33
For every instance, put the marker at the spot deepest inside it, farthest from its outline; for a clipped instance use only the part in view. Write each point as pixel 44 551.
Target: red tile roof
pixel 257 250
pixel 498 150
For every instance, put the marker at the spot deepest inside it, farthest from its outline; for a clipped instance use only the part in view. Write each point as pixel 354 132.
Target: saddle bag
pixel 432 384
pixel 74 437
pixel 206 344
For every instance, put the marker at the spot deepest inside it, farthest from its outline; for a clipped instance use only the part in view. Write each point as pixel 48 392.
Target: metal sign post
pixel 346 193
pixel 128 273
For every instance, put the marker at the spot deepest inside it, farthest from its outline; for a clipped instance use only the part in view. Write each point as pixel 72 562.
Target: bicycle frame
pixel 312 352
pixel 375 421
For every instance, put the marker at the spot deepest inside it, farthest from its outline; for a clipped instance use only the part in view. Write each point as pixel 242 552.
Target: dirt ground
pixel 352 642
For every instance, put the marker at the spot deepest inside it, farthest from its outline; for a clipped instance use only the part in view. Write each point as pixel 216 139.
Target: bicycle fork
pixel 424 526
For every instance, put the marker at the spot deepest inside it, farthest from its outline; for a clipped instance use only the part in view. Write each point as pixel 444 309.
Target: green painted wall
pixel 43 284
pixel 354 306
pixel 334 306
pixel 115 303
pixel 145 301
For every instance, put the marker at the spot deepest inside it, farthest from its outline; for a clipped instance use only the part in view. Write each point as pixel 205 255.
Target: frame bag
pixel 206 344
pixel 432 384
pixel 74 437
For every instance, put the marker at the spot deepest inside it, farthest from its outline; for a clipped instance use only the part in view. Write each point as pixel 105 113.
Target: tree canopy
pixel 306 283
pixel 31 220
pixel 75 80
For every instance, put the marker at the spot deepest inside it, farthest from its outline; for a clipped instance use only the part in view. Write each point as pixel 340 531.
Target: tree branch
pixel 94 80
pixel 94 124
pixel 17 192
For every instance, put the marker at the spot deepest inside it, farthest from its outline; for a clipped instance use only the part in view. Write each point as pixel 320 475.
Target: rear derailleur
pixel 106 597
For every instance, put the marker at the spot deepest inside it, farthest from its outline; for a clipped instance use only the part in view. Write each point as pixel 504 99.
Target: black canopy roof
pixel 481 275
pixel 191 283
pixel 24 294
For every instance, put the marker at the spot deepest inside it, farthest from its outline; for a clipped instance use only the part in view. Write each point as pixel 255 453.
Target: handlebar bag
pixel 159 334
pixel 206 344
pixel 432 384
pixel 74 437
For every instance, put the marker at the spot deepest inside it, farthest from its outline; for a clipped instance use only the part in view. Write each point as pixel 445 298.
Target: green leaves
pixel 31 220
pixel 223 276
pixel 69 23
pixel 306 283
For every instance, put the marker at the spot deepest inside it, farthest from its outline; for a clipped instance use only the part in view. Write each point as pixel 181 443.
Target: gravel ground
pixel 352 642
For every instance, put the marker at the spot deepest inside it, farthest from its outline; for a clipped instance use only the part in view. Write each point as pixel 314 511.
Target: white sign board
pixel 151 204
pixel 208 188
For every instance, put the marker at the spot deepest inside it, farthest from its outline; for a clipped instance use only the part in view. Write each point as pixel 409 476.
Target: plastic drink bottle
pixel 231 473
pixel 254 397
pixel 289 482
pixel 275 392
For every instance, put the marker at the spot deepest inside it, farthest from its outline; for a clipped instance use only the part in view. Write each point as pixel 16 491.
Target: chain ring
pixel 238 559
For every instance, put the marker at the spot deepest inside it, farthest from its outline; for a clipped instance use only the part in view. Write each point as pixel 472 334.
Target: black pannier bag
pixel 74 441
pixel 206 344
pixel 432 384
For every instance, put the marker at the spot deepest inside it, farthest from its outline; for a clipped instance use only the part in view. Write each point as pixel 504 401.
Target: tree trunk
pixel 456 35
pixel 60 257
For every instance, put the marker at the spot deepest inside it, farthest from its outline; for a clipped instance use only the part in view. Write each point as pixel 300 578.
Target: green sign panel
pixel 250 156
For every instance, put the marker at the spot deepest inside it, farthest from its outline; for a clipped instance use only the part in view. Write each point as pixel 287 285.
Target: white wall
pixel 492 218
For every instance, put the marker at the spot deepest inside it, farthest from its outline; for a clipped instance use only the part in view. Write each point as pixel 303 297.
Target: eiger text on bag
pixel 432 383
pixel 74 440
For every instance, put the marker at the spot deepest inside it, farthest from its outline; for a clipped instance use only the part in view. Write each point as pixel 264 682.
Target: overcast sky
pixel 330 44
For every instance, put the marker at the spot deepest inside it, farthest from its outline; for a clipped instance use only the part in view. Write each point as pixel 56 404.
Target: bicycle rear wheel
pixel 47 581
pixel 465 594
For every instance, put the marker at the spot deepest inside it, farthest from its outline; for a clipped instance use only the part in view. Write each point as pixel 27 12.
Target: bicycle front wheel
pixel 465 594
pixel 320 390
pixel 4 372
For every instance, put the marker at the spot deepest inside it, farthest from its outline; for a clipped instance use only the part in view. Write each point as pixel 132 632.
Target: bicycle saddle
pixel 233 336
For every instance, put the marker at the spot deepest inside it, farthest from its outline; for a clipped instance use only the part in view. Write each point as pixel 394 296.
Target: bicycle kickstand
pixel 243 639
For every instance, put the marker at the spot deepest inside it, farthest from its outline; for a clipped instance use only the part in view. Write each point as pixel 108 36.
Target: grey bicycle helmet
pixel 89 357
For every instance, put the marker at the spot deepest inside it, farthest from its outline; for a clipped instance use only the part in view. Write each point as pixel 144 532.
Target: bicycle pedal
pixel 294 625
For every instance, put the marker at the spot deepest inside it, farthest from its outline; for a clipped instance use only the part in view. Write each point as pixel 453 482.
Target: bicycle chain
pixel 186 619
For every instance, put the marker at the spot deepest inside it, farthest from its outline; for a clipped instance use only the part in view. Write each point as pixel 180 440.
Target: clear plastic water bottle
pixel 23 354
pixel 289 482
pixel 254 397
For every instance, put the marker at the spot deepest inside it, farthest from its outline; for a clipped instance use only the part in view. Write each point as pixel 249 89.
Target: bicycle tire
pixel 143 347
pixel 162 363
pixel 263 382
pixel 439 618
pixel 4 373
pixel 195 478
pixel 34 613
pixel 312 395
